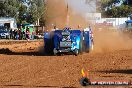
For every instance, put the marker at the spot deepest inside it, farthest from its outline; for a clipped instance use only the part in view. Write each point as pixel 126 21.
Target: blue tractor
pixel 67 41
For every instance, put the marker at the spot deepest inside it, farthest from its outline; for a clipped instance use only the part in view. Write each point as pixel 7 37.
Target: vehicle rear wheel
pixel 90 48
pixel 81 45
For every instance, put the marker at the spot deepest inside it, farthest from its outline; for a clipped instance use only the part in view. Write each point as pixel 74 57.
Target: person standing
pixel 14 34
pixel 11 34
pixel 19 33
pixel 24 34
pixel 27 33
pixel 33 33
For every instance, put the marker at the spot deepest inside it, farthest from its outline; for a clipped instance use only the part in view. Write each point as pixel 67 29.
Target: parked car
pixel 4 34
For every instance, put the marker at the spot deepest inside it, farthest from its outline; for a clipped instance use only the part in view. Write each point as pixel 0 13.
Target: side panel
pixel 46 38
pixel 87 40
pixel 57 37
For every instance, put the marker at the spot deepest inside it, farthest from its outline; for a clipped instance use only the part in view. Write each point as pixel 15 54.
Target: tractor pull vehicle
pixel 68 41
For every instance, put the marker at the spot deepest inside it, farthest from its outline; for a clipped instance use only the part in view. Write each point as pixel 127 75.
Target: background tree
pixel 27 11
pixel 37 10
pixel 9 8
pixel 116 8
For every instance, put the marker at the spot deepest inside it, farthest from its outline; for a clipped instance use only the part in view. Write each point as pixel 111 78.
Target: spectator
pixel 32 35
pixel 19 34
pixel 11 34
pixel 27 33
pixel 15 34
pixel 24 34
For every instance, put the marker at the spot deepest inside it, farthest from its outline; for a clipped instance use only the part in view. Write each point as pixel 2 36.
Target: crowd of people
pixel 22 34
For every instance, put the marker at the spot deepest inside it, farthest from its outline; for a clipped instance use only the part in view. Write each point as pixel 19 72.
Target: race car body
pixel 67 41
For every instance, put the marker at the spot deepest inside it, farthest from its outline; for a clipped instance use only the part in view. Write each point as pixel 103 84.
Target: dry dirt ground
pixel 22 65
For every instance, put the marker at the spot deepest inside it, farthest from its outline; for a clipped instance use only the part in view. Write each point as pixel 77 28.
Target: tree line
pixel 25 11
pixel 116 8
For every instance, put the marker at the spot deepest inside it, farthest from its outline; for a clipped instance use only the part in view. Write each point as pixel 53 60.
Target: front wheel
pixel 55 52
pixel 76 52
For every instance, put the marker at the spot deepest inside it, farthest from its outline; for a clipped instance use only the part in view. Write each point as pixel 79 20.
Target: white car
pixel 4 34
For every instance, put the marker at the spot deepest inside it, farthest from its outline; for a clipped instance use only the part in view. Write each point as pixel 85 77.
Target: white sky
pixel 81 6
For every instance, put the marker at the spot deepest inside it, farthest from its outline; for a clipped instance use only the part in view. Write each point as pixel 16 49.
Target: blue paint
pixel 56 37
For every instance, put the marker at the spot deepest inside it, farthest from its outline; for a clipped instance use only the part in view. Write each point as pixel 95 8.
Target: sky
pixel 82 6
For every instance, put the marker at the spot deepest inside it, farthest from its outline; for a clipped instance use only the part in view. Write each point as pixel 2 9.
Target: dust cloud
pixel 111 40
pixel 57 15
pixel 104 40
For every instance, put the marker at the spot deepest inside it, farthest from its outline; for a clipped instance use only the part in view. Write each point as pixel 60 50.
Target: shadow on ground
pixel 123 71
pixel 6 51
pixel 34 86
pixel 26 86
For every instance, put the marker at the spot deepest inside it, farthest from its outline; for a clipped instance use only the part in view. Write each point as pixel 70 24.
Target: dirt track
pixel 21 66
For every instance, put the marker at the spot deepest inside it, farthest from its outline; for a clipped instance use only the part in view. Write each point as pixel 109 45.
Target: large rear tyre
pixel 81 45
pixel 90 48
pixel 49 46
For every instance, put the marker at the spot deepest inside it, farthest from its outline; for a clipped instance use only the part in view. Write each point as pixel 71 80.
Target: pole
pixel 67 17
pixel 67 14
